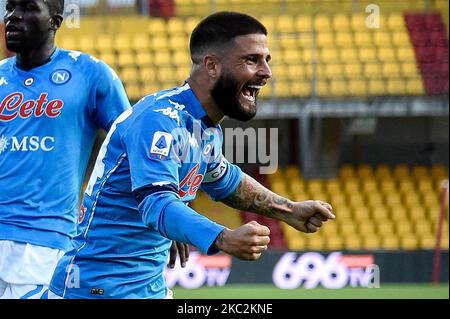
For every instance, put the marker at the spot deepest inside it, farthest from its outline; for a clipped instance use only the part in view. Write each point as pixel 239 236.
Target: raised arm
pixel 307 216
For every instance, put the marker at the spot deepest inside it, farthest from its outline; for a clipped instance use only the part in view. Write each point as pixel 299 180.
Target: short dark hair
pixel 219 29
pixel 55 6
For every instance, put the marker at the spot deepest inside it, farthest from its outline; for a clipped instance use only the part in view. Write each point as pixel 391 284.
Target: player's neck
pixel 34 58
pixel 206 100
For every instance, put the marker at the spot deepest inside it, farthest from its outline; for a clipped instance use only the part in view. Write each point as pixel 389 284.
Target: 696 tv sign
pixel 334 271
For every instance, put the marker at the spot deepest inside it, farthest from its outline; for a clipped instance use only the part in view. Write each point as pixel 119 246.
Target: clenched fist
pixel 247 242
pixel 309 216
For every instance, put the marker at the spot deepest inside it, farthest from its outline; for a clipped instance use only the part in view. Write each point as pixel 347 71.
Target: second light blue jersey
pixel 49 118
pixel 161 151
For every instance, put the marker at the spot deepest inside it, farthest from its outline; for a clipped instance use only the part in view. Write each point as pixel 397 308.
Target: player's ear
pixel 55 22
pixel 212 65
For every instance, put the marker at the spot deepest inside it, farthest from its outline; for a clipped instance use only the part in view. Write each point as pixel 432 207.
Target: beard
pixel 225 94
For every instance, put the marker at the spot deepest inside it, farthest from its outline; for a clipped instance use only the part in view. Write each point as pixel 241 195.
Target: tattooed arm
pixel 307 216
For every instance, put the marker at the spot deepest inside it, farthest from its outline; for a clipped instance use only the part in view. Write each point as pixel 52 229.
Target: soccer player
pixel 52 103
pixel 155 158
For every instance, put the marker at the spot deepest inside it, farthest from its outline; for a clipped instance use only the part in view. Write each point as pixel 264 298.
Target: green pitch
pixel 386 291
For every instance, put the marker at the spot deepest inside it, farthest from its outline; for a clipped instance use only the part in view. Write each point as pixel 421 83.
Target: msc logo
pixel 27 144
pixel 60 77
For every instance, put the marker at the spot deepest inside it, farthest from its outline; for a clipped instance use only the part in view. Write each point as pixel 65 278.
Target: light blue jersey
pixel 49 117
pixel 152 162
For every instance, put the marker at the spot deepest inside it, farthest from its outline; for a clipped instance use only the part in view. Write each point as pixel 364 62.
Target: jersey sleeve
pixel 151 151
pixel 221 177
pixel 108 98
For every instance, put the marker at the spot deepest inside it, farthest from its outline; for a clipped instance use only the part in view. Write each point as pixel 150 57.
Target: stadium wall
pixel 292 270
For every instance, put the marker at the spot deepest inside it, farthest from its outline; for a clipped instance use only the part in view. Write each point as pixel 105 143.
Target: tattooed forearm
pixel 253 197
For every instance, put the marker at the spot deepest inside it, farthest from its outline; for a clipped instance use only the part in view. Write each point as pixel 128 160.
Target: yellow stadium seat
pixel 292 55
pixel 390 243
pixel 369 185
pixel 156 26
pixel 439 172
pixel 414 86
pixel 351 69
pixel 129 75
pixel 417 214
pixel 409 242
pixel 363 38
pixel 382 39
pixel 409 69
pixel 346 172
pixel 427 241
pixel 347 229
pixel 357 87
pixel 325 40
pixel 396 86
pixel 372 70
pixel 386 54
pixel 384 227
pixel 405 54
pixel 374 199
pixel 358 22
pixel 393 199
pixel 105 43
pixel 329 55
pixel 282 89
pixel 285 23
pixel 403 227
pixel 109 58
pixel 334 70
pixel 191 22
pixel 379 213
pixel 322 22
pixel 371 243
pixel 144 59
pixel 295 72
pixel 159 43
pixel 352 243
pixel 333 244
pixel 175 26
pixel 344 39
pixel 420 171
pixel 162 59
pixel 390 69
pixel 411 198
pixel 367 228
pixel 288 42
pixel 422 227
pixel 361 214
pixel 181 59
pixel 401 171
pixel 122 42
pixel 315 243
pixel 382 171
pixel 332 186
pixel 396 21
pixel 367 55
pixel 133 91
pixel 68 43
pixel 322 88
pixel 356 200
pixel 147 74
pixel 86 44
pixel 349 55
pixel 140 42
pixel 339 88
pixel 341 22
pixel 181 74
pixel 401 39
pixel 304 23
pixel 150 88
pixel 301 88
pixel 125 59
